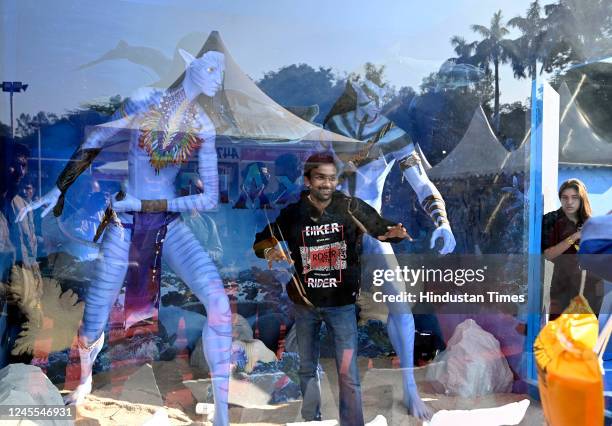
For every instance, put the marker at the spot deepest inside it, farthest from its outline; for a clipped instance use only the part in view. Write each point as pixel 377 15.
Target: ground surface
pixel 131 395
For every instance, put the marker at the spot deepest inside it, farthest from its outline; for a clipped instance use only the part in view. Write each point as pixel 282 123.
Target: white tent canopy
pixel 478 153
pixel 518 160
pixel 579 143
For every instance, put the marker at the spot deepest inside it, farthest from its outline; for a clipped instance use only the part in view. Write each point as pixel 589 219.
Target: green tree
pixel 398 108
pixel 106 108
pixel 493 48
pixel 5 131
pixel 463 49
pixel 375 74
pixel 533 45
pixel 579 29
pixel 439 116
pixel 514 124
pixel 27 124
pixel 302 85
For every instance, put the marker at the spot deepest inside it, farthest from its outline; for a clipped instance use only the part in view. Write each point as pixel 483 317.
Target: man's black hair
pixel 9 152
pixel 315 160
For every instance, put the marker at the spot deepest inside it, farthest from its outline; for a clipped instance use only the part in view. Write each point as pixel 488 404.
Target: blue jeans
pixel 341 323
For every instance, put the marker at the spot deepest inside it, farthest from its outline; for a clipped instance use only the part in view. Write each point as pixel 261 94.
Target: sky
pixel 44 43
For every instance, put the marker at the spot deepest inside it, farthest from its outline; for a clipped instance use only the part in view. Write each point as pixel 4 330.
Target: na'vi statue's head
pixel 203 75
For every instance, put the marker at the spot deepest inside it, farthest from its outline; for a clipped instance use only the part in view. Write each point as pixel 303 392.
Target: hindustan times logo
pixel 412 276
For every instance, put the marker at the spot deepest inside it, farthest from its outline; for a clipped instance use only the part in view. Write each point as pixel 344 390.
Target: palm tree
pixel 493 48
pixel 463 49
pixel 532 46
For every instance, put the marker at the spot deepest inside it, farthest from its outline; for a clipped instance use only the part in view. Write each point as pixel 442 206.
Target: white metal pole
pixel 39 161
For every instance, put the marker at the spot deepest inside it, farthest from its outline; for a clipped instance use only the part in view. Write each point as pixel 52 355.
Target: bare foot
pixel 416 406
pixel 77 396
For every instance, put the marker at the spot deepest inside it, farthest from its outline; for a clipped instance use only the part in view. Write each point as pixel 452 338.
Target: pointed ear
pixel 187 57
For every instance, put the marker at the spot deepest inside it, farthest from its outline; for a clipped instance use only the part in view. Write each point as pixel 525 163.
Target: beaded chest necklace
pixel 169 130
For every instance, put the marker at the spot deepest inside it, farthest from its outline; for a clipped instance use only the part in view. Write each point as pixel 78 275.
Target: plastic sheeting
pixel 479 153
pixel 472 364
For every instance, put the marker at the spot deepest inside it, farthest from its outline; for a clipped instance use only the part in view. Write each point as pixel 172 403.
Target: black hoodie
pixel 324 247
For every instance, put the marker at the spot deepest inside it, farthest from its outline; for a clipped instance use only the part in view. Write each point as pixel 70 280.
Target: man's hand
pixel 397 231
pixel 49 200
pixel 443 231
pixel 276 255
pixel 126 204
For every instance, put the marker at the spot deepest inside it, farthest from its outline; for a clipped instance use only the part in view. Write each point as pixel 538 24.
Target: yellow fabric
pixel 569 375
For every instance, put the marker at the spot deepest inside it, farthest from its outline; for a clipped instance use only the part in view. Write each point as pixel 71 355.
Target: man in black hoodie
pixel 323 232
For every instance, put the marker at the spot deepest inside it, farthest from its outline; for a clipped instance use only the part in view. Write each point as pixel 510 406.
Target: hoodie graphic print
pixel 323 252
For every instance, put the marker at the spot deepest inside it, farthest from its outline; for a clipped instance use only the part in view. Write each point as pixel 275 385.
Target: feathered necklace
pixel 169 130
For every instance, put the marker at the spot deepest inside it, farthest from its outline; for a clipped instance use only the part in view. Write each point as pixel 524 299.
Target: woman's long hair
pixel 584 212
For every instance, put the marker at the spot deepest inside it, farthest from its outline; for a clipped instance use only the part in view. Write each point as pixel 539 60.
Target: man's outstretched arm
pixel 369 221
